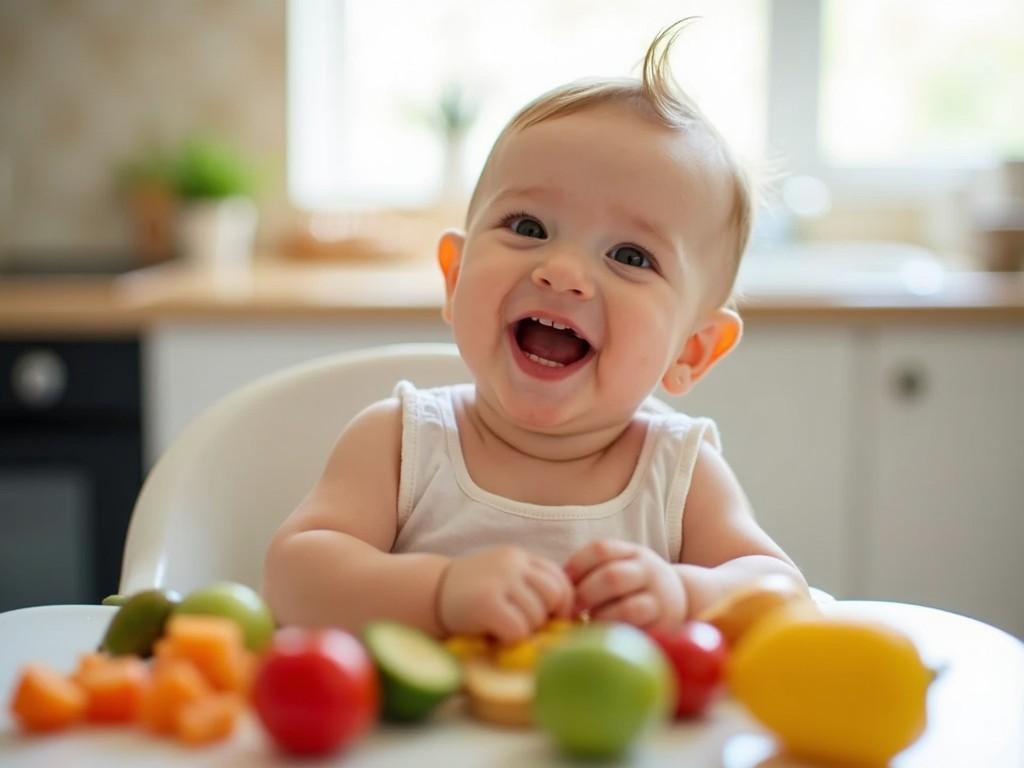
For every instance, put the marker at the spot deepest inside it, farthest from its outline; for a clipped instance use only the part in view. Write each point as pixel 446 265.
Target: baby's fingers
pixel 530 603
pixel 507 621
pixel 596 554
pixel 553 588
pixel 609 583
pixel 640 609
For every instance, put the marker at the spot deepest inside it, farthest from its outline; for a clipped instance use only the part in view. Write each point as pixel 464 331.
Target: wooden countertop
pixel 290 293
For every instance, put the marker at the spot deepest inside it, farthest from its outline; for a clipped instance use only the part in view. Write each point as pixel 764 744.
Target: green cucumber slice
pixel 416 672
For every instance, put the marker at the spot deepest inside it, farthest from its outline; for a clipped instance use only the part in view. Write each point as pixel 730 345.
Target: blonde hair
pixel 656 93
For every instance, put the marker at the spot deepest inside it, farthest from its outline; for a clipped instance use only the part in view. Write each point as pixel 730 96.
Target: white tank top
pixel 442 511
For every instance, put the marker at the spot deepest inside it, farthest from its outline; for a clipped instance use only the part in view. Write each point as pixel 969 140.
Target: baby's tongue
pixel 549 343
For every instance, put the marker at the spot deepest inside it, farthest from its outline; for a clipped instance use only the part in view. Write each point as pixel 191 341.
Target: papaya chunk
pixel 208 719
pixel 114 687
pixel 175 684
pixel 213 644
pixel 46 700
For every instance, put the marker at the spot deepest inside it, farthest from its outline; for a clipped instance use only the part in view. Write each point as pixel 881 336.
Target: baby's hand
pixel 505 592
pixel 619 581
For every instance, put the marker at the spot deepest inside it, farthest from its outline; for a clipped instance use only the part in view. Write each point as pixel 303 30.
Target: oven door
pixel 65 502
pixel 70 469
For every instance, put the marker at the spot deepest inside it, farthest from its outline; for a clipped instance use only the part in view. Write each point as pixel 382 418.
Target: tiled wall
pixel 85 84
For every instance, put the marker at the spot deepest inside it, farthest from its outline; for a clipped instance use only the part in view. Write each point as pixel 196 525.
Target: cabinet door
pixel 943 500
pixel 784 402
pixel 190 366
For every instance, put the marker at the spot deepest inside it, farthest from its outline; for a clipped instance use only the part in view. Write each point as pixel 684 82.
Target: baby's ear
pixel 449 257
pixel 716 337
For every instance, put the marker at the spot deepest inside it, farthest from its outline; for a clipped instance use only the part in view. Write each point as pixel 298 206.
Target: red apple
pixel 697 653
pixel 315 690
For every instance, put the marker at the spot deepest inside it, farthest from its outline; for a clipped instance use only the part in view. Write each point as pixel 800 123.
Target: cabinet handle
pixel 910 383
pixel 39 378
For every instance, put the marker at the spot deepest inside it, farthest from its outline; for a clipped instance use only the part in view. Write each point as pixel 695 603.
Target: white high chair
pixel 212 502
pixel 210 506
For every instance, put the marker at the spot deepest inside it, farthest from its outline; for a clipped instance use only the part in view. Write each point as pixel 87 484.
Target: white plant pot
pixel 218 234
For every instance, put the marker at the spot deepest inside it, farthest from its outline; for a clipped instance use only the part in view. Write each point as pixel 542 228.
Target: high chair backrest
pixel 211 504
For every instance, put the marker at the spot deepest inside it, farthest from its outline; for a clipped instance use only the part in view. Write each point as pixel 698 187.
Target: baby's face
pixel 588 261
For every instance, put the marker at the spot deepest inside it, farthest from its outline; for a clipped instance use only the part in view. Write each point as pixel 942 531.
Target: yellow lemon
pixel 831 688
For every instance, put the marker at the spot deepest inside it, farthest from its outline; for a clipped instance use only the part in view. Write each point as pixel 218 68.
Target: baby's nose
pixel 565 273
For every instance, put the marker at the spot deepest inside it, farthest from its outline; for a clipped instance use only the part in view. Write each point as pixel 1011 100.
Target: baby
pixel 601 244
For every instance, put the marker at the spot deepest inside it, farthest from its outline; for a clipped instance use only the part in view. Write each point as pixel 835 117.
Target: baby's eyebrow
pixel 638 222
pixel 533 190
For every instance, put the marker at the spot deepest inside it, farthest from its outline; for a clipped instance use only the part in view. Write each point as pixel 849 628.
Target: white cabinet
pixel 939 505
pixel 190 366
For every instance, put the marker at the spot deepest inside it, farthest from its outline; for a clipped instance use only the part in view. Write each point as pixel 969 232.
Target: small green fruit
pixel 139 623
pixel 602 688
pixel 237 602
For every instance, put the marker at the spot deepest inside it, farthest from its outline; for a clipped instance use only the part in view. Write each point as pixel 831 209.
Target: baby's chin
pixel 558 417
pixel 537 417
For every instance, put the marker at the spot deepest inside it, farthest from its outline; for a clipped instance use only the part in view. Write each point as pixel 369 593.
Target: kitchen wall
pixel 86 84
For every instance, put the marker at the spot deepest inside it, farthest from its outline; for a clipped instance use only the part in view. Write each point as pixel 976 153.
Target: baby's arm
pixel 723 548
pixel 330 562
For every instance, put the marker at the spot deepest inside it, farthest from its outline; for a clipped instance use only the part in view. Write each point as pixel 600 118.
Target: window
pixel 888 96
pixel 910 83
pixel 366 78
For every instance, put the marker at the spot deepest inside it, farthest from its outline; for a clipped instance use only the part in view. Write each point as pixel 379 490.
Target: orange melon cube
pixel 45 700
pixel 175 683
pixel 214 644
pixel 114 687
pixel 210 718
pixel 90 661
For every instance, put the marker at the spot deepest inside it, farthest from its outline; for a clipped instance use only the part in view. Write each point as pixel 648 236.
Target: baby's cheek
pixel 648 351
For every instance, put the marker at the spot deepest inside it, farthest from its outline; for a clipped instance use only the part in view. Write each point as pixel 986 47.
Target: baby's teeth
pixel 552 324
pixel 543 361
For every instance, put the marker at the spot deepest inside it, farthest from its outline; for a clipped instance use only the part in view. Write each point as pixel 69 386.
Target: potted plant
pixel 449 118
pixel 147 181
pixel 217 218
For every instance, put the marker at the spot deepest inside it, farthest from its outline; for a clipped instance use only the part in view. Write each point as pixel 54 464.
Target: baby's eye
pixel 527 226
pixel 631 256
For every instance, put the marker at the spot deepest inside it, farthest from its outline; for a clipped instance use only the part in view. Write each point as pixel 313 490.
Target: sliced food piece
pixel 214 644
pixel 738 613
pixel 416 671
pixel 46 700
pixel 176 683
pixel 503 696
pixel 209 718
pixel 114 686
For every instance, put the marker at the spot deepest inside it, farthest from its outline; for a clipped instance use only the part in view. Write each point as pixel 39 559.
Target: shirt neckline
pixel 540 511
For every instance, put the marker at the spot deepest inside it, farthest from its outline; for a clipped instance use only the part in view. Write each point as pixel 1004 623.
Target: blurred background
pixel 194 193
pixel 876 120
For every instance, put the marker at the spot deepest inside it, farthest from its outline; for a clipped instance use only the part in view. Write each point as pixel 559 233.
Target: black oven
pixel 70 466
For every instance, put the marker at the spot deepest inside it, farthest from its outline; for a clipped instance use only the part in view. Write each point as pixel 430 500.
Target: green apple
pixel 602 688
pixel 234 601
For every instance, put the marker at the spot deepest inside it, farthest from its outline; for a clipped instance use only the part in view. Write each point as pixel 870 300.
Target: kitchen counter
pixel 300 292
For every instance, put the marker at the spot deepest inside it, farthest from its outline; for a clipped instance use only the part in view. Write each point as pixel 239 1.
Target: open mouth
pixel 549 343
